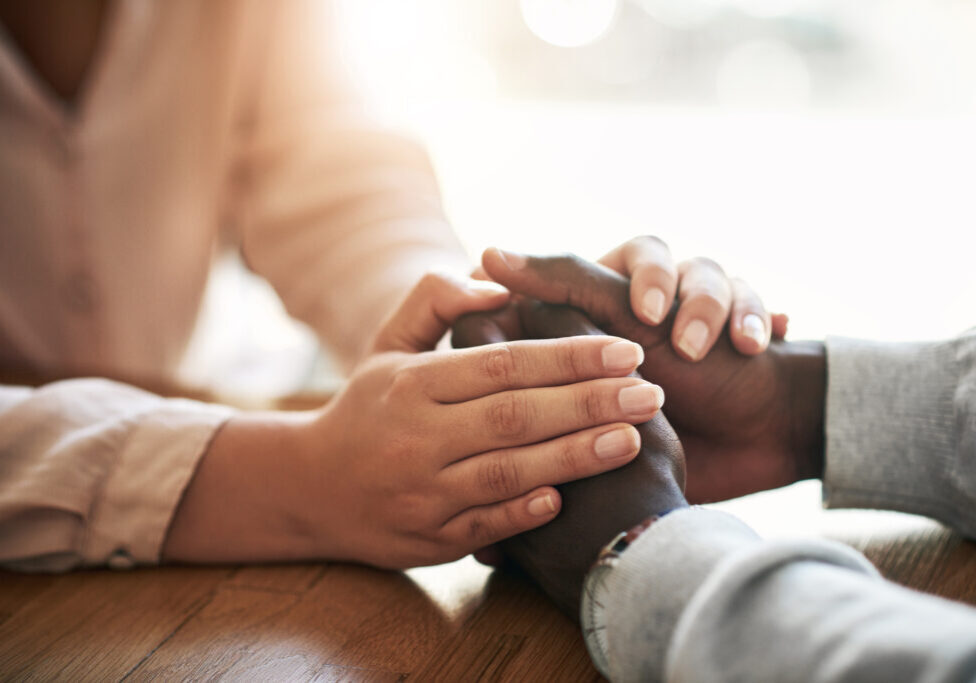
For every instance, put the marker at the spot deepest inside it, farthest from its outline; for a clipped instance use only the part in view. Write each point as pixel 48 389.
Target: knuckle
pixel 414 512
pixel 562 271
pixel 500 364
pixel 433 280
pixel 507 416
pixel 567 262
pixel 589 405
pixel 708 264
pixel 480 528
pixel 657 271
pixel 652 240
pixel 709 301
pixel 500 477
pixel 572 359
pixel 650 249
pixel 572 461
pixel 565 258
pixel 745 296
pixel 739 284
pixel 407 380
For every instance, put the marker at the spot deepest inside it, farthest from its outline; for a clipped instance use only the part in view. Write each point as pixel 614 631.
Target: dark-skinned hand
pixel 558 555
pixel 747 423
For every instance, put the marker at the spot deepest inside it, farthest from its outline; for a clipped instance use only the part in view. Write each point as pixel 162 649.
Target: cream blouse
pixel 198 121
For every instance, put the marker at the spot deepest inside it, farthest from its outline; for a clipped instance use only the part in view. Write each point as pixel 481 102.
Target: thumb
pixel 430 309
pixel 601 293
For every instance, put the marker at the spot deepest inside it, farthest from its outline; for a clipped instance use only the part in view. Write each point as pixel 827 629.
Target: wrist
pixel 806 376
pixel 248 499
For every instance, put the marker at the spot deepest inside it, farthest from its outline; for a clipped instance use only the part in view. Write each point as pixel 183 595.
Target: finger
pixel 779 324
pixel 527 416
pixel 479 273
pixel 749 325
pixel 648 263
pixel 500 475
pixel 704 300
pixel 480 526
pixel 486 327
pixel 431 307
pixel 548 321
pixel 601 293
pixel 467 374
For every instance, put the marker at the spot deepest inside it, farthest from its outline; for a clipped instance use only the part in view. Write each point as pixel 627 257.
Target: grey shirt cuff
pixel 655 579
pixel 683 569
pixel 900 421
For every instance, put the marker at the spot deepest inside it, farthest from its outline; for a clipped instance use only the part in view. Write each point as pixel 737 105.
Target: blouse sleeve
pixel 91 472
pixel 341 216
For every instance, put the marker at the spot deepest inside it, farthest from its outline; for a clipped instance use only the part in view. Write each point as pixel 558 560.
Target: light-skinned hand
pixel 425 455
pixel 707 299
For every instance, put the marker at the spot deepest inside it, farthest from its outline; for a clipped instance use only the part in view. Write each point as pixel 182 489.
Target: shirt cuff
pixel 128 523
pixel 739 597
pixel 654 580
pixel 891 426
pixel 679 572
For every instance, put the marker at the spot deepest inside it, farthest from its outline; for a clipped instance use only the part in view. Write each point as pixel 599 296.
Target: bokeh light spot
pixel 568 23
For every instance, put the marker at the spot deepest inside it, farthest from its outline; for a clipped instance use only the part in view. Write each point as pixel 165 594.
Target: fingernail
pixel 486 288
pixel 511 260
pixel 622 355
pixel 653 305
pixel 754 328
pixel 616 444
pixel 542 505
pixel 640 399
pixel 693 340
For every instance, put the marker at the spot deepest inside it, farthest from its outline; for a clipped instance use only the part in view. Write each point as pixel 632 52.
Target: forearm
pixel 807 611
pixel 248 500
pixel 700 597
pixel 339 214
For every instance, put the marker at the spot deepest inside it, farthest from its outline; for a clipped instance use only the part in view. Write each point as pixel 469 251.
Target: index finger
pixel 485 370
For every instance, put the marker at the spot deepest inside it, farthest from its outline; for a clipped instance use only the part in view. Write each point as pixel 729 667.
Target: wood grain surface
pixel 337 622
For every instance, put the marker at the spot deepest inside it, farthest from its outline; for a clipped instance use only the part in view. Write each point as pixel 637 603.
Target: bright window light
pixel 568 23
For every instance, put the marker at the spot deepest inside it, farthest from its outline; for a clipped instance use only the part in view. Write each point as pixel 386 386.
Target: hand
pixel 424 456
pixel 706 299
pixel 558 555
pixel 746 423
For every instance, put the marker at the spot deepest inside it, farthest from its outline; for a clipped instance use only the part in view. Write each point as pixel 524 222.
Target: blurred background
pixel 823 150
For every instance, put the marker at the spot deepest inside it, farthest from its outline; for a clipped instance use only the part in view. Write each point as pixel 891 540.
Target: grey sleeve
pixel 699 597
pixel 901 428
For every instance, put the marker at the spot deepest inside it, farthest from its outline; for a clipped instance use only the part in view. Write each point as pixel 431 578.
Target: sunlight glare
pixel 568 23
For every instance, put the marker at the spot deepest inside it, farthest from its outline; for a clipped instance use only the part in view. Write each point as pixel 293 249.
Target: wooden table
pixel 337 622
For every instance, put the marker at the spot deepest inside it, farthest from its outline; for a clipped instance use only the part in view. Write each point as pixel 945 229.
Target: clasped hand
pixel 724 408
pixel 430 455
